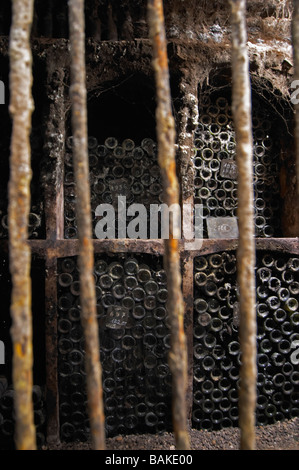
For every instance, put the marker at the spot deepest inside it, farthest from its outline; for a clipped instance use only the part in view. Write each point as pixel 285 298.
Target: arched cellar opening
pixel 215 182
pixel 123 158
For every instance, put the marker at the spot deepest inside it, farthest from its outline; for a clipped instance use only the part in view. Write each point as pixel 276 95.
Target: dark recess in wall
pixel 125 109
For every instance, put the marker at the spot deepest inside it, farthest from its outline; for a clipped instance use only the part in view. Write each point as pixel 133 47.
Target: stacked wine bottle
pixel 216 340
pixel 134 343
pixel 36 216
pixel 116 169
pixel 215 181
pixel 7 421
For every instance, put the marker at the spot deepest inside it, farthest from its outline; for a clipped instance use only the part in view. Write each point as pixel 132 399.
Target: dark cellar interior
pixel 129 274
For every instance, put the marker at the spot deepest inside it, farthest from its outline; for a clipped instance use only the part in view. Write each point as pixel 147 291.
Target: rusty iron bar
pixel 52 390
pixel 246 256
pixel 166 157
pixel 295 39
pixel 21 107
pixel 83 208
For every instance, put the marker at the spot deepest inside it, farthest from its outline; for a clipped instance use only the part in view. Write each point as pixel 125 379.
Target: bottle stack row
pixel 134 342
pixel 7 421
pixel 217 355
pixel 36 225
pixel 116 169
pixel 215 182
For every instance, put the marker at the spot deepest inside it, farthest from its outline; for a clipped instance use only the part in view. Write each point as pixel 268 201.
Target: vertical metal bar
pixel 86 256
pixel 52 396
pixel 241 103
pixel 53 175
pixel 53 172
pixel 166 157
pixel 188 292
pixel 295 38
pixel 21 107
